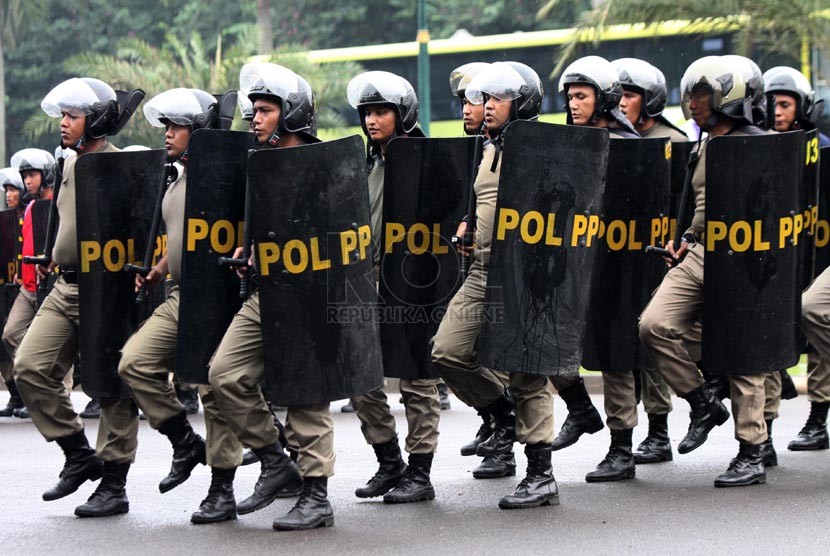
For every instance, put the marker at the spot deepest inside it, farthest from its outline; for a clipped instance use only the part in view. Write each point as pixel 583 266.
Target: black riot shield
pixel 40 222
pixel 822 233
pixel 544 243
pixel 808 194
pixel 634 214
pixel 10 245
pixel 114 200
pixel 751 294
pixel 426 185
pixel 312 241
pixel 214 214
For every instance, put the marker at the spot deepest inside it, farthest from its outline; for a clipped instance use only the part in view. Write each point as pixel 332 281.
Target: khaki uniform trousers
pixel 423 412
pixel 619 397
pixel 815 321
pixel 455 355
pixel 236 371
pixel 772 395
pixel 43 358
pixel 147 359
pixel 673 311
pixel 656 394
pixel 20 317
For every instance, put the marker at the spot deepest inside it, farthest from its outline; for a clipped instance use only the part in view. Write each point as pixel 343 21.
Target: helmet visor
pixel 36 159
pixel 74 96
pixel 500 80
pixel 377 87
pixel 269 80
pixel 11 176
pixel 179 106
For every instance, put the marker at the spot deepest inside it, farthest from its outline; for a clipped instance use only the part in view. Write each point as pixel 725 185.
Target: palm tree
pixel 14 16
pixel 773 26
pixel 137 64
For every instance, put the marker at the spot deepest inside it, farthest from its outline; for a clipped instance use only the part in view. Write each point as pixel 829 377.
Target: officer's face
pixel 631 104
pixel 699 106
pixel 266 119
pixel 12 197
pixel 175 140
pixel 473 115
pixel 496 113
pixel 72 129
pixel 32 179
pixel 582 102
pixel 380 123
pixel 785 106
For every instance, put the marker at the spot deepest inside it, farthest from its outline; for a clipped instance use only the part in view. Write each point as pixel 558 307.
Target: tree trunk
pixel 263 23
pixel 2 104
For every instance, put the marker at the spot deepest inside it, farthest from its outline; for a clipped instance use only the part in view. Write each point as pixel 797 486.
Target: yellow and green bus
pixel 670 45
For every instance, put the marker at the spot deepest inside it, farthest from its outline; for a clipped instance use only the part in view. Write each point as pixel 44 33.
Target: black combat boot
pixel 494 467
pixel 814 434
pixel 538 488
pixel 220 505
pixel 312 510
pixel 504 433
pixel 110 498
pixel 767 449
pixel 348 408
pixel 414 486
pixel 788 390
pixel 189 400
pixel 249 457
pixel 444 396
pixel 707 413
pixel 582 416
pixel 22 413
pixel 81 465
pixel 92 410
pixel 618 463
pixel 15 401
pixel 278 472
pixel 744 470
pixel 484 432
pixel 188 450
pixel 389 473
pixel 656 446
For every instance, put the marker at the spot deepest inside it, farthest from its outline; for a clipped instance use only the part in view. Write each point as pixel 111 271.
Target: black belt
pixel 70 275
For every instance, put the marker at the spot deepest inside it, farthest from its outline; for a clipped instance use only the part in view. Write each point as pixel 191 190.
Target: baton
pixel 469 236
pixel 144 270
pixel 242 262
pixel 51 227
pixel 682 212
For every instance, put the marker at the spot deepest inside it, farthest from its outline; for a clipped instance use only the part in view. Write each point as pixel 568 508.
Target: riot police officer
pixel 716 96
pixel 498 465
pixel 594 92
pixel 388 108
pixel 35 169
pixel 791 105
pixel 283 117
pixel 643 103
pixel 510 91
pixel 150 352
pixel 89 112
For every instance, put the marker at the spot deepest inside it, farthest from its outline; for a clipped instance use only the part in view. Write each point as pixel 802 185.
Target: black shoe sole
pixel 796 448
pixel 704 439
pixel 510 473
pixel 264 504
pixel 115 511
pixel 325 522
pixel 204 521
pixel 546 502
pixel 668 456
pixel 425 497
pixel 755 481
pixel 469 452
pixel 630 474
pixel 171 486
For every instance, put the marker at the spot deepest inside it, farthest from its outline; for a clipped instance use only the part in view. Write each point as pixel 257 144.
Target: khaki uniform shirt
pixel 487 191
pixel 172 210
pixel 660 129
pixel 65 251
pixel 376 175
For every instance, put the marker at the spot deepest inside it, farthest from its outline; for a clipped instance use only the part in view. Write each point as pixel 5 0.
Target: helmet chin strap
pixel 274 138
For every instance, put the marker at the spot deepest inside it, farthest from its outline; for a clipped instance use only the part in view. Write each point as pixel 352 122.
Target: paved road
pixel 669 509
